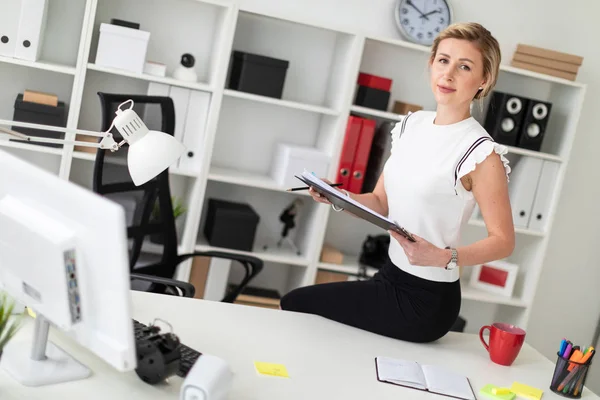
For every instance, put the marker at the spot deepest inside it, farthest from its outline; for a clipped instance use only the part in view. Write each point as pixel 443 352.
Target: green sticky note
pixel 488 391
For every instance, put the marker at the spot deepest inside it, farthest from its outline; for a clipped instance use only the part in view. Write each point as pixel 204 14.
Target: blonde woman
pixel 443 163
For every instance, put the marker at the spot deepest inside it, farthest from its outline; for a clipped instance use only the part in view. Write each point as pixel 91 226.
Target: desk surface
pixel 325 360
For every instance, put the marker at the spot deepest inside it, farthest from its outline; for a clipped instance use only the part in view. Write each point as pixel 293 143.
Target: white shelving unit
pixel 242 129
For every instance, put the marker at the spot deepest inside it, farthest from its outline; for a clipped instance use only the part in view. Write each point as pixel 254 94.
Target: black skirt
pixel 392 303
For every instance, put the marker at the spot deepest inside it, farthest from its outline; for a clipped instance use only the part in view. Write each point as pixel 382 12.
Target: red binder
pixel 353 128
pixel 361 157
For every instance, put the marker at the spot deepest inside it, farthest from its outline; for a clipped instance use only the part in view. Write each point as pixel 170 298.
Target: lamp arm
pixel 107 142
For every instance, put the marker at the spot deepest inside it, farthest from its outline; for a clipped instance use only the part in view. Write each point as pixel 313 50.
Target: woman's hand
pixel 317 196
pixel 421 252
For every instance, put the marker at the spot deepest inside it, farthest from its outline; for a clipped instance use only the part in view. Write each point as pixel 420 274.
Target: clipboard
pixel 352 206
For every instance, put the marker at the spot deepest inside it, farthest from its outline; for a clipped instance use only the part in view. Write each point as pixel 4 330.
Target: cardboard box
pixel 544 62
pixel 330 254
pixel 544 70
pixel 86 138
pixel 402 108
pixel 257 301
pixel 40 98
pixel 549 54
pixel 330 277
pixel 199 275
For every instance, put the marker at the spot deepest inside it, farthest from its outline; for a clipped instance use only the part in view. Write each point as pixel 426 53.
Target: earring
pixel 480 88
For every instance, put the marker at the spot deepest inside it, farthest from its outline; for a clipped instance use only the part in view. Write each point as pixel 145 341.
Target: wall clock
pixel 420 21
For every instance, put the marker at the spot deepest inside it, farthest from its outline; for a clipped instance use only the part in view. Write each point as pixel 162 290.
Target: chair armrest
pixel 256 262
pixel 187 289
pixel 251 264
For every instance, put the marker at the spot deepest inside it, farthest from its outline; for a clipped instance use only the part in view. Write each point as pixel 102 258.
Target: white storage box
pixel 121 47
pixel 292 160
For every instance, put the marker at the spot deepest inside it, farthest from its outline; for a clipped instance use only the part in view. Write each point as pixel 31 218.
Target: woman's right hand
pixel 317 196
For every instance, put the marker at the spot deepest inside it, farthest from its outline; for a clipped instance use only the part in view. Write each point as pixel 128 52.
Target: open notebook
pixel 423 377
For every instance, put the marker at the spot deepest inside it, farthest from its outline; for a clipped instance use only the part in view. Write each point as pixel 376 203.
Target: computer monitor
pixel 63 254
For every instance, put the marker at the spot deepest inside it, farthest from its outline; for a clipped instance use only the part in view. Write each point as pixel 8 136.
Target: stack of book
pixel 550 62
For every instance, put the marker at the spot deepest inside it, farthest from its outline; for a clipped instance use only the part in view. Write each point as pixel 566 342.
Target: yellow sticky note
pixel 498 390
pixel 492 392
pixel 264 368
pixel 526 391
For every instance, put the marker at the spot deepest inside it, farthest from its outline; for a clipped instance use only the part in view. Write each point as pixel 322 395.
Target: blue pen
pixel 563 344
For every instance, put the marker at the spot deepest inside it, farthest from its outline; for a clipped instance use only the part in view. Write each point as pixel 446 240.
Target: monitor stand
pixel 40 362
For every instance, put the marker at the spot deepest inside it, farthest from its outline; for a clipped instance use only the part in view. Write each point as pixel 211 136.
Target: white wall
pixel 571 274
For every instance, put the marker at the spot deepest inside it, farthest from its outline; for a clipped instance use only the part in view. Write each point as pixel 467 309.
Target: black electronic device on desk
pixel 161 355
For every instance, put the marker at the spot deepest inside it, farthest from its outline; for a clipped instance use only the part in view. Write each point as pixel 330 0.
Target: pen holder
pixel 568 379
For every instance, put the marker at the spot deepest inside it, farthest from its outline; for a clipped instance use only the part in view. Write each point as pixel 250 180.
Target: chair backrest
pixel 153 210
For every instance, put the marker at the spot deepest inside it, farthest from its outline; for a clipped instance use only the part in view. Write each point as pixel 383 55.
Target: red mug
pixel 505 342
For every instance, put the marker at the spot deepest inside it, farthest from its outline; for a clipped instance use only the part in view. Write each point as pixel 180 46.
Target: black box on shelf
pixel 231 225
pixel 372 98
pixel 26 111
pixel 257 74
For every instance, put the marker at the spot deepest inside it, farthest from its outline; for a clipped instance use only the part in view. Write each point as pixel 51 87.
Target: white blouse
pixel 422 181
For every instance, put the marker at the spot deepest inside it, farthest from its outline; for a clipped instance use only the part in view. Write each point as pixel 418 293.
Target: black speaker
pixel 504 117
pixel 534 125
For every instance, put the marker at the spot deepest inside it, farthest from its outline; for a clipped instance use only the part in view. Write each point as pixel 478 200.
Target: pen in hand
pixel 307 187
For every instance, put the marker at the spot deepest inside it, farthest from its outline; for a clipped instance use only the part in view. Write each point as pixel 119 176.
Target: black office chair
pixel 159 275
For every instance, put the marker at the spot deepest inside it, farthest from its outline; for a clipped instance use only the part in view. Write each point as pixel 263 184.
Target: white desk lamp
pixel 150 152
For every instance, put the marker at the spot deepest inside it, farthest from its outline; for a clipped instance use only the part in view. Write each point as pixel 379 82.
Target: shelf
pixel 535 154
pixel 81 155
pixel 349 266
pixel 280 102
pixel 376 113
pixel 114 160
pixel 402 43
pixel 522 231
pixel 276 255
pixel 61 69
pixel 503 67
pixel 537 75
pixel 469 293
pixel 242 178
pixel 151 78
pixel 31 147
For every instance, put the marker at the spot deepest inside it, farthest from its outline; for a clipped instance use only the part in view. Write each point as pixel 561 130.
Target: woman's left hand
pixel 421 252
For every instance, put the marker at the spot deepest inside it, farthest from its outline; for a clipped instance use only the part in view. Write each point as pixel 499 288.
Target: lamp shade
pixel 150 152
pixel 151 155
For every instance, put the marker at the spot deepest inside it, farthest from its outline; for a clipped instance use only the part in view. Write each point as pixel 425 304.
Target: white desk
pixel 325 360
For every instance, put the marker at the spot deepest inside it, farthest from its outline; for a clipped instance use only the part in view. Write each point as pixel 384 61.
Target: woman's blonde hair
pixel 487 44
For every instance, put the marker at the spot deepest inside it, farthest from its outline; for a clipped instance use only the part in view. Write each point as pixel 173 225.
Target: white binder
pixel 32 23
pixel 522 188
pixel 152 118
pixel 195 125
pixel 10 12
pixel 191 112
pixel 181 98
pixel 543 197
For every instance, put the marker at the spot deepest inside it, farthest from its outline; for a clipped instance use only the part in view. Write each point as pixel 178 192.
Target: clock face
pixel 420 21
